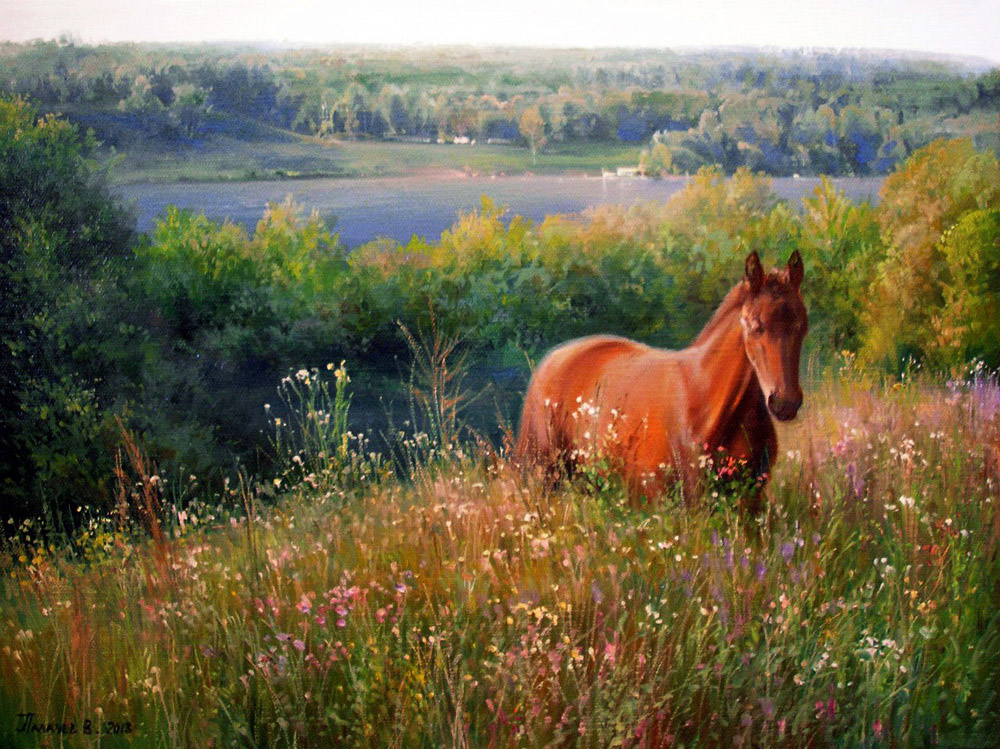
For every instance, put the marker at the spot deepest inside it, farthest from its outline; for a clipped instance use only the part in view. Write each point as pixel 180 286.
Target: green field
pixel 293 156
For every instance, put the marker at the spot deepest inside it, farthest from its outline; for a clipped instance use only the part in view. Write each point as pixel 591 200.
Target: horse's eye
pixel 756 326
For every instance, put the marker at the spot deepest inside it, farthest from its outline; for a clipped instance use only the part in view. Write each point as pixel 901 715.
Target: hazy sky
pixel 963 27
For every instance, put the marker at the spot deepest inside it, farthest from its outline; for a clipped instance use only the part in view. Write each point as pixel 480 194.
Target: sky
pixel 956 27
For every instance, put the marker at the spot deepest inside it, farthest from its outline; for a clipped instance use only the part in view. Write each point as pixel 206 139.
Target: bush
pixel 968 322
pixel 66 340
pixel 924 198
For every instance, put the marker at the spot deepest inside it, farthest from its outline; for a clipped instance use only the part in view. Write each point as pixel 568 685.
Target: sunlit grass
pixel 467 605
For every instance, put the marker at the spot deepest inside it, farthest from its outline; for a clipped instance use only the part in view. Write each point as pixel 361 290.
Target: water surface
pixel 399 207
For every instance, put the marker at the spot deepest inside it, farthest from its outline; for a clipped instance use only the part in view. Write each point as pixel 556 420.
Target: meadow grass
pixel 463 604
pixel 294 156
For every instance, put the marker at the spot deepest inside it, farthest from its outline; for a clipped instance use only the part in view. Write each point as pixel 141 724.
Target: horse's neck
pixel 722 376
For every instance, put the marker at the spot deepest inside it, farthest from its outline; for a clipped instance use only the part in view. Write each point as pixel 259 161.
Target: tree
pixel 532 127
pixel 968 322
pixel 841 246
pixel 658 160
pixel 924 198
pixel 62 240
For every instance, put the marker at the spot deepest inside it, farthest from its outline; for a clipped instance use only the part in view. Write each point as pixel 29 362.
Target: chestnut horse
pixel 652 412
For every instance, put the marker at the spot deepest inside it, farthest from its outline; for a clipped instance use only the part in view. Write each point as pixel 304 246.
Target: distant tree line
pixel 781 114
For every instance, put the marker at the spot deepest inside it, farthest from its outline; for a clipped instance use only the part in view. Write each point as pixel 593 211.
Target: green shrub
pixel 968 322
pixel 67 342
pixel 924 198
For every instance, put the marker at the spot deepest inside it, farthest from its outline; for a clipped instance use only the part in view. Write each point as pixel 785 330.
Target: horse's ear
pixel 755 272
pixel 795 269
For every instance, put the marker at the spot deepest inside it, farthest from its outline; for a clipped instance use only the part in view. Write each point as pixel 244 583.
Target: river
pixel 400 207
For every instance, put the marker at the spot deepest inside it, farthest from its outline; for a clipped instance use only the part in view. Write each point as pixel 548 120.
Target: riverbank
pixel 297 157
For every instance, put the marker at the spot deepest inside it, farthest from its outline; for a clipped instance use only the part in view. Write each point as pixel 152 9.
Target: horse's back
pixel 570 374
pixel 575 367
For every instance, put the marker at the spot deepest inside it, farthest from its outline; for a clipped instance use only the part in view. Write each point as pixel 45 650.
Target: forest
pixel 781 113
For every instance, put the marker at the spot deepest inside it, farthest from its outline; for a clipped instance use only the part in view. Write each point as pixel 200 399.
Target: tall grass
pixel 466 605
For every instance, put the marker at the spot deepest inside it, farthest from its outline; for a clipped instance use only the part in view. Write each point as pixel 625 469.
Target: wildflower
pixel 302 375
pixel 283 637
pixel 299 645
pixel 906 501
pixel 596 593
pixel 767 707
pixel 609 652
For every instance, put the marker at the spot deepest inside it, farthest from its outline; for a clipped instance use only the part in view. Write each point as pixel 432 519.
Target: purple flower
pixel 985 396
pixel 299 645
pixel 761 569
pixel 787 549
pixel 857 481
pixel 767 707
pixel 596 593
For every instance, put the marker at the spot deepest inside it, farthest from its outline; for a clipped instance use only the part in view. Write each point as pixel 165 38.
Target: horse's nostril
pixel 783 409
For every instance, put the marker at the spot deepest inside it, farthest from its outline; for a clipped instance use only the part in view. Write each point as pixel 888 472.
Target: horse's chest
pixel 751 435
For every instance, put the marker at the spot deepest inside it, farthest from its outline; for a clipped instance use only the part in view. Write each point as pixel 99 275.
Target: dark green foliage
pixel 64 243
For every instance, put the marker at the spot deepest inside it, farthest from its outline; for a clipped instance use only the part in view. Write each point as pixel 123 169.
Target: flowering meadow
pixel 445 599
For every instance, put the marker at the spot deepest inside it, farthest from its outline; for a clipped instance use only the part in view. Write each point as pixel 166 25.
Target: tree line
pixel 821 113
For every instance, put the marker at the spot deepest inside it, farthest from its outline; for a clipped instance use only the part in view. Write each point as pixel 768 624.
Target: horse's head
pixel 774 323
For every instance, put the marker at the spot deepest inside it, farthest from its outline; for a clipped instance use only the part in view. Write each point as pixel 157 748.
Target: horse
pixel 654 414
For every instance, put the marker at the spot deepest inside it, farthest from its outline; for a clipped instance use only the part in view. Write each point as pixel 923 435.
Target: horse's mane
pixel 774 283
pixel 733 301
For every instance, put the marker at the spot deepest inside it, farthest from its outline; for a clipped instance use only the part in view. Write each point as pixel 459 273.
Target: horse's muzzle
pixel 784 409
